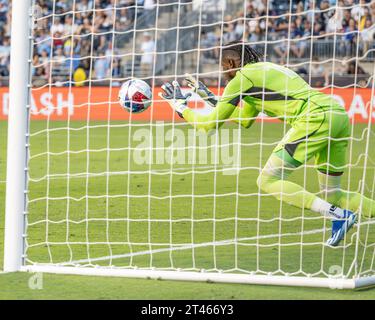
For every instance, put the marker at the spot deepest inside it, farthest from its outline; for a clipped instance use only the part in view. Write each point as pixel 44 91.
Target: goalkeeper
pixel 319 128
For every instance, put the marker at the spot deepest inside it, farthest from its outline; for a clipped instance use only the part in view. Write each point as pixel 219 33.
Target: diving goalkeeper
pixel 319 128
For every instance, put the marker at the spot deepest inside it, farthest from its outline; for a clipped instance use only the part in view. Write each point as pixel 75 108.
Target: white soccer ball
pixel 135 95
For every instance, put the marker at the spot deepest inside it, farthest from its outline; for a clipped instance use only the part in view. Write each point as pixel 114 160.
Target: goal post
pixel 17 166
pixel 332 283
pixel 94 190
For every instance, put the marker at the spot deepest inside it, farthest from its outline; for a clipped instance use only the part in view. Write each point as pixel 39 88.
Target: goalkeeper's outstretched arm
pixel 223 111
pixel 245 116
pixel 235 56
pixel 226 109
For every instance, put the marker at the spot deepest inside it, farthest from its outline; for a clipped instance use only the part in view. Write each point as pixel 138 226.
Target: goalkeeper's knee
pixel 274 180
pixel 275 170
pixel 264 181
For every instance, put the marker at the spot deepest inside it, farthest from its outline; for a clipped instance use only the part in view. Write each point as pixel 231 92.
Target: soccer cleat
pixel 341 227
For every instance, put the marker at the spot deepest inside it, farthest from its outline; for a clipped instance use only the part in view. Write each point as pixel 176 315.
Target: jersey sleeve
pixel 225 107
pixel 245 116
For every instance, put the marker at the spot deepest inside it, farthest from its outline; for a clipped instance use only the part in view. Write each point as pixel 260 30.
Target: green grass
pixel 79 227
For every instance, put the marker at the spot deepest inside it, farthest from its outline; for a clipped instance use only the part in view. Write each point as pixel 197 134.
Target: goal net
pixel 109 192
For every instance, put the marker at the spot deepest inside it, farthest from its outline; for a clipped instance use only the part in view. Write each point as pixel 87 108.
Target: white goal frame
pixel 16 191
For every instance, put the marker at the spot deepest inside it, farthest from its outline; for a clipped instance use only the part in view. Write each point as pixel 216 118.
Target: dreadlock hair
pixel 246 53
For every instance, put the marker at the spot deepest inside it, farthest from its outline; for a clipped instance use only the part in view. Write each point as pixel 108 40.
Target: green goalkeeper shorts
pixel 322 134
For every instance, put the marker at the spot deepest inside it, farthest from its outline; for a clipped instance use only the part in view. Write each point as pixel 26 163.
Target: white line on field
pixel 186 247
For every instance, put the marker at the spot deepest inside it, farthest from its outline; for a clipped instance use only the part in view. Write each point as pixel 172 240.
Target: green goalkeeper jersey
pixel 263 87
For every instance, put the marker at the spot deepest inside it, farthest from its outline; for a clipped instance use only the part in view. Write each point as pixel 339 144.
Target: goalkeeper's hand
pixel 200 88
pixel 173 95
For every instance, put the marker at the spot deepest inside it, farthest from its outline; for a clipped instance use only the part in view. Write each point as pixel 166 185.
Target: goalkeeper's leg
pixel 329 155
pixel 325 136
pixel 274 180
pixel 330 185
pixel 331 163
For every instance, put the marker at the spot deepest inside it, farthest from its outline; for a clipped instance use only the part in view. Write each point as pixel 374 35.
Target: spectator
pixel 36 62
pixel 57 27
pixel 282 26
pixel 85 6
pixel 59 62
pixel 101 43
pixel 109 8
pixel 334 24
pixel 3 12
pixel 346 18
pixel 230 34
pixel 122 19
pixel 116 68
pixel 239 29
pixel 209 41
pixel 86 28
pixel 350 37
pixel 307 28
pixel 257 35
pixel 149 4
pixel 147 49
pixel 316 68
pixel 281 49
pixel 309 8
pixel 325 13
pixel 45 63
pixel 69 28
pixel 259 6
pixel 358 10
pixel 43 41
pixel 252 25
pixel 58 40
pixel 297 46
pixel 44 58
pixel 350 23
pixel 79 76
pixel 5 57
pixel 101 66
pixel 317 30
pixel 368 35
pixel 354 68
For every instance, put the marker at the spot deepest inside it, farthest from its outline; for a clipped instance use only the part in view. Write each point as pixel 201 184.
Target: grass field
pixel 117 217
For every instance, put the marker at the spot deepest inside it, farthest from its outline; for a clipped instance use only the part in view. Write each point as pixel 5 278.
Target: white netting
pixel 146 191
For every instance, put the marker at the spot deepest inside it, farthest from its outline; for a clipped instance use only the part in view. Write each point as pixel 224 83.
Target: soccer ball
pixel 135 95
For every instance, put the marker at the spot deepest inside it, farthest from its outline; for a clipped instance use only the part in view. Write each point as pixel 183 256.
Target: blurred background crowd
pixel 116 39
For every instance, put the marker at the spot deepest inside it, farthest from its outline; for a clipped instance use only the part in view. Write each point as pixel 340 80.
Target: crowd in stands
pixel 4 38
pixel 275 21
pixel 91 52
pixel 83 42
pixel 286 26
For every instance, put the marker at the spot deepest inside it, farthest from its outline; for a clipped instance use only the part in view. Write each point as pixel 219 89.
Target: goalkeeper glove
pixel 200 88
pixel 173 95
